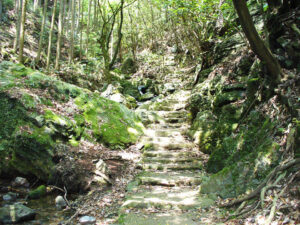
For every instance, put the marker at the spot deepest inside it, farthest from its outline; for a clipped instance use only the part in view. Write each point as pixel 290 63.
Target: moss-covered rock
pixel 129 66
pixel 37 193
pixel 39 112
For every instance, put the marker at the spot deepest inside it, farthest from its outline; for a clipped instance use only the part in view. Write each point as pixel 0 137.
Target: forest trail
pixel 167 189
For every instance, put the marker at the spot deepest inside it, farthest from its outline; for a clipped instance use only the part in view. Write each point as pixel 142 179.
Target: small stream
pixel 46 211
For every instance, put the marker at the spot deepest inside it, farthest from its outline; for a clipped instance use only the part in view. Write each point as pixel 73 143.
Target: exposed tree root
pixel 271 175
pixel 262 189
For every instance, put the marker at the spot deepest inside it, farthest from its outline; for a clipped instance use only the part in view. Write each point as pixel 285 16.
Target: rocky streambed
pixel 19 203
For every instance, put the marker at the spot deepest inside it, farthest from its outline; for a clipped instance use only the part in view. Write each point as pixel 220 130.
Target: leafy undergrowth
pixel 46 124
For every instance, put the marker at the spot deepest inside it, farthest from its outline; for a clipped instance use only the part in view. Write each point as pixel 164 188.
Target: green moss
pixel 252 139
pixel 128 88
pixel 38 192
pixel 112 123
pixel 28 137
pixel 29 101
pixel 32 152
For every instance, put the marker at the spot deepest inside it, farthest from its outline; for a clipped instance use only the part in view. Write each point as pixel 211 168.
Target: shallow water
pixel 45 208
pixel 47 213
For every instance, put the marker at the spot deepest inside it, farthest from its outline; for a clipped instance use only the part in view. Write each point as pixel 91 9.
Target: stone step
pixel 164 140
pixel 159 126
pixel 176 114
pixel 178 178
pixel 177 160
pixel 165 132
pixel 171 166
pixel 154 145
pixel 174 120
pixel 162 218
pixel 167 198
pixel 174 153
pixel 167 107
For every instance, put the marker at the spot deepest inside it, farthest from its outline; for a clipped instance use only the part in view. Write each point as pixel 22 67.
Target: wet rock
pixel 16 213
pixel 87 220
pixel 147 96
pixel 20 182
pixel 38 192
pixel 168 88
pixel 60 202
pixel 10 197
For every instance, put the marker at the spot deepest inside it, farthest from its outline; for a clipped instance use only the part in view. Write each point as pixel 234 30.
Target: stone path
pixel 167 191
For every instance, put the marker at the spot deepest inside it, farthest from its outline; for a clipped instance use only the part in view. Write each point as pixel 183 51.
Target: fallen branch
pixel 62 190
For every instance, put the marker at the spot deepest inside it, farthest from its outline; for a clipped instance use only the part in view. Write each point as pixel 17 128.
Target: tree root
pixel 263 188
pixel 258 190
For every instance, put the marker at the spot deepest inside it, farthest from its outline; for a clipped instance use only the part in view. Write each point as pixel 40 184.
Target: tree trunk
pixel 51 34
pixel 22 31
pixel 18 13
pixel 35 4
pixel 60 32
pixel 38 56
pixel 1 10
pixel 81 26
pixel 88 28
pixel 256 43
pixel 71 54
pixel 120 35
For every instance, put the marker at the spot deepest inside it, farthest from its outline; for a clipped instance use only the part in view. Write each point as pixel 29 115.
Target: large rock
pixel 129 66
pixel 39 113
pixel 16 213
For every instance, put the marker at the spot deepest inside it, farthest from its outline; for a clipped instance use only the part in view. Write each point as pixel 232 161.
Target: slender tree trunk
pixel 256 43
pixel 95 12
pixel 22 31
pixel 35 4
pixel 81 26
pixel 77 17
pixel 51 34
pixel 71 54
pixel 60 33
pixel 120 35
pixel 88 28
pixel 18 13
pixel 1 10
pixel 38 56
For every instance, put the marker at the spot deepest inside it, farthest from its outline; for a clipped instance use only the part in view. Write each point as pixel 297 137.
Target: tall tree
pixel 120 35
pixel 256 43
pixel 22 31
pixel 1 10
pixel 81 30
pixel 36 4
pixel 38 56
pixel 51 34
pixel 60 33
pixel 71 53
pixel 18 12
pixel 88 27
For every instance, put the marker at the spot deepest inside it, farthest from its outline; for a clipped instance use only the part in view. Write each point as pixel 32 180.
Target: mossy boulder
pixel 242 176
pixel 129 66
pixel 243 160
pixel 40 112
pixel 37 193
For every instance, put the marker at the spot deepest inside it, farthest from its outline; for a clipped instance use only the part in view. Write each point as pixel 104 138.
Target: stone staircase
pixel 167 191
